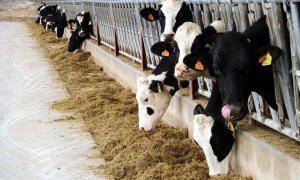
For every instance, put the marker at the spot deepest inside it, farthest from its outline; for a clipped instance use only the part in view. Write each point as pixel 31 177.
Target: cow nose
pixel 168 37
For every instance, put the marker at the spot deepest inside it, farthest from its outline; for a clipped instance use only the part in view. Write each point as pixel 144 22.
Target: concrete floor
pixel 32 144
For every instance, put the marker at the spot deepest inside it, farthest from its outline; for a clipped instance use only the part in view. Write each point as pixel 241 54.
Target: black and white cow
pixel 242 62
pixel 211 134
pixel 60 27
pixel 48 10
pixel 171 14
pixel 154 93
pixel 84 30
pixel 188 38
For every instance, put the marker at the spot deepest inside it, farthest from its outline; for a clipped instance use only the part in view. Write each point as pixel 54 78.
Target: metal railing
pixel 121 28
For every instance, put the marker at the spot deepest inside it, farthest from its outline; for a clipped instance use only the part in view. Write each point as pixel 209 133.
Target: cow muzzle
pixel 142 129
pixel 182 72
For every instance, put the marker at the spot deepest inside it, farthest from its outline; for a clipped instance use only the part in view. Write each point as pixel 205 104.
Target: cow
pixel 154 93
pixel 84 30
pixel 171 14
pixel 189 38
pixel 48 10
pixel 242 62
pixel 60 27
pixel 211 134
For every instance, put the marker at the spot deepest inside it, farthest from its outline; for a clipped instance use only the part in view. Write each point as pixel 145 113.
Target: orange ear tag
pixel 150 17
pixel 266 59
pixel 165 53
pixel 199 66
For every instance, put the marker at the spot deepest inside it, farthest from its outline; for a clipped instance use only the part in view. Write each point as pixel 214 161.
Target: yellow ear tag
pixel 150 17
pixel 165 53
pixel 230 126
pixel 158 88
pixel 90 22
pixel 199 66
pixel 266 59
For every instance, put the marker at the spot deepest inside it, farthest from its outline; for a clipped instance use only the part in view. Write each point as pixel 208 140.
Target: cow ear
pixel 268 54
pixel 156 86
pixel 162 49
pixel 199 109
pixel 150 14
pixel 197 61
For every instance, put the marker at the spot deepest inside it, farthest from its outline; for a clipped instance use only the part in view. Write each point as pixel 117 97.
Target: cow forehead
pixel 170 8
pixel 185 36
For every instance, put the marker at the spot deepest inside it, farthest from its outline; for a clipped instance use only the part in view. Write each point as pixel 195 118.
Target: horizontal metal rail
pixel 121 28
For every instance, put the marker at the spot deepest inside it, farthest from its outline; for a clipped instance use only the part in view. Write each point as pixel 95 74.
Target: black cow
pixel 242 62
pixel 154 93
pixel 171 14
pixel 62 23
pixel 188 39
pixel 84 29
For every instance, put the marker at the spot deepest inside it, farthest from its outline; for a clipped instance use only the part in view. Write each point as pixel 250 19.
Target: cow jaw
pixel 202 135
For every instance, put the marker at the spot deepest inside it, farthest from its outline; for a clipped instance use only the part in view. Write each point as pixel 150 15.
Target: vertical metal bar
pixel 142 52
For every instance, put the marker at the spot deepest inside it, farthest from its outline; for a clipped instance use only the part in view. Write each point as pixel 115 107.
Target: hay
pixel 110 114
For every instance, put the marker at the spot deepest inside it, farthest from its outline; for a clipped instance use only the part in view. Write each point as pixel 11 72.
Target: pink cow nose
pixel 182 69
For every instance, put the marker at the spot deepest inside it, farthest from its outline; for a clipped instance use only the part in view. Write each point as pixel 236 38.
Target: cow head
pixel 84 24
pixel 171 14
pixel 241 63
pixel 188 39
pixel 40 7
pixel 236 64
pixel 152 105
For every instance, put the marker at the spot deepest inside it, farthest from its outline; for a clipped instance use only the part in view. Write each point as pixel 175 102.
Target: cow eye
pixel 146 100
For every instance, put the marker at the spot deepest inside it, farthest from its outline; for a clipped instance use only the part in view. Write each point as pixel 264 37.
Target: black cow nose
pixel 168 37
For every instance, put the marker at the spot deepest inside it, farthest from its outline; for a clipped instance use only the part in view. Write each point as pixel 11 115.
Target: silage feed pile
pixel 110 113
